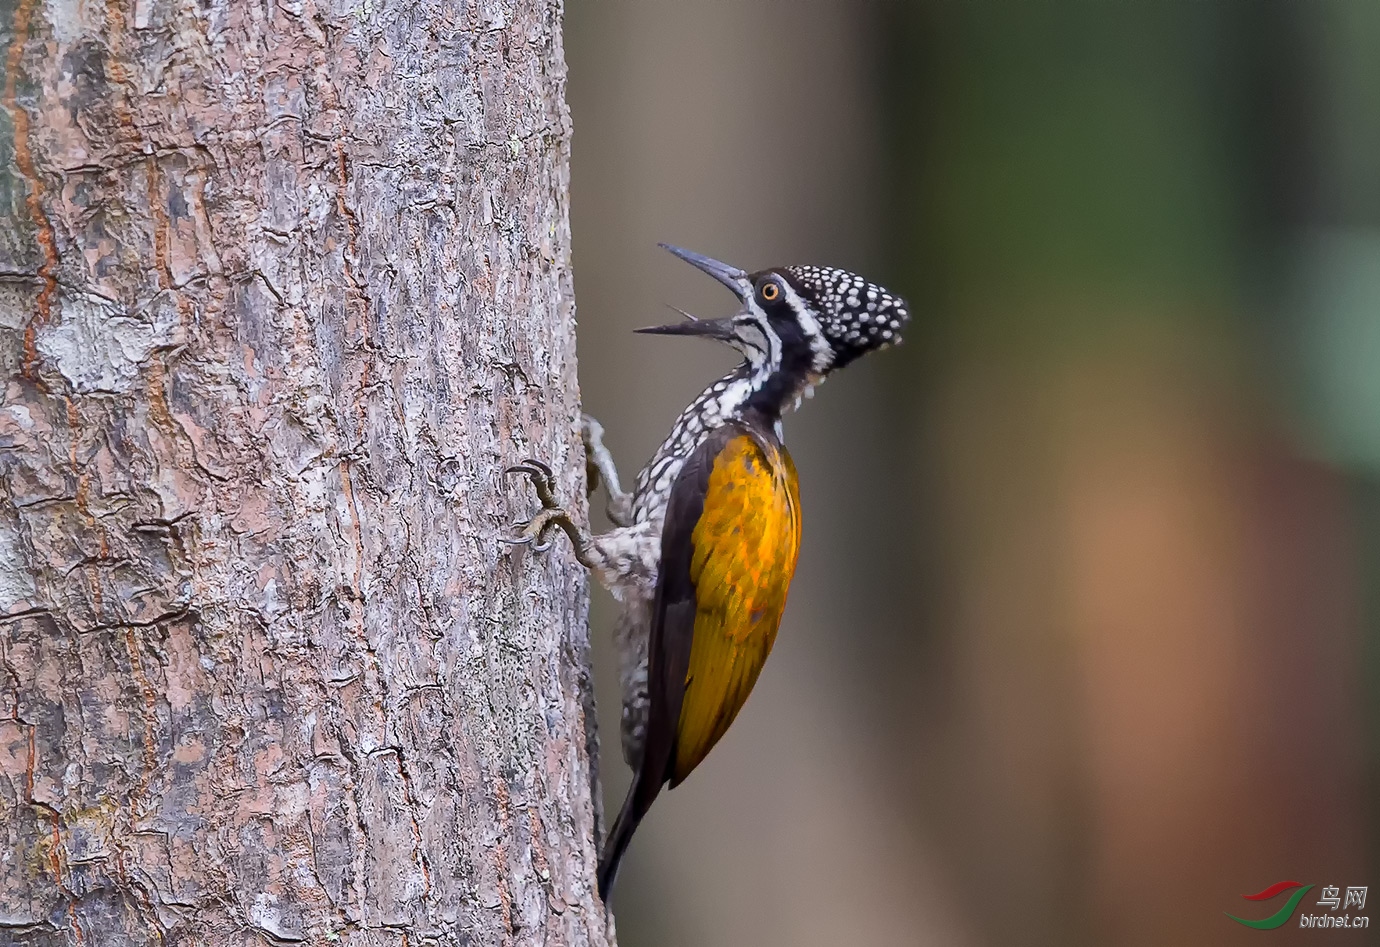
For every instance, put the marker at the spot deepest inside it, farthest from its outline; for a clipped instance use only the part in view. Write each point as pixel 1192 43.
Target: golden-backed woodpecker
pixel 704 547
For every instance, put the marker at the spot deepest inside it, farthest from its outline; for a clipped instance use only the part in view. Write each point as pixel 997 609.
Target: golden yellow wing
pixel 728 549
pixel 743 554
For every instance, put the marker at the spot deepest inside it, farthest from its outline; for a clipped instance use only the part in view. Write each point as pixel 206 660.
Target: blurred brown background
pixel 1083 641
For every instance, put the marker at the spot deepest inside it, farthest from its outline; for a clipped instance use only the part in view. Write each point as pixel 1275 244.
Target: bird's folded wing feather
pixel 728 550
pixel 741 558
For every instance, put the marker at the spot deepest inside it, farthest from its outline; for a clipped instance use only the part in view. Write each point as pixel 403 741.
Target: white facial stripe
pixel 773 340
pixel 821 354
pixel 758 341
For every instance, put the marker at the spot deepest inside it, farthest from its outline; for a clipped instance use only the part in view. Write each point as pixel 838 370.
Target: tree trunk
pixel 284 285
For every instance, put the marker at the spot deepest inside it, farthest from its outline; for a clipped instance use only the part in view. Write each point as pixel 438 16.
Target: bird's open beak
pixel 732 277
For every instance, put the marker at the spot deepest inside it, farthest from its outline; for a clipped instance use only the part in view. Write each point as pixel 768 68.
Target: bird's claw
pixel 533 467
pixel 532 532
pixel 542 477
pixel 537 527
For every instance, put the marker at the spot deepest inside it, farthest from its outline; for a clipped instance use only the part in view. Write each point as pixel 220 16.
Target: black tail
pixel 658 748
pixel 641 794
pixel 614 847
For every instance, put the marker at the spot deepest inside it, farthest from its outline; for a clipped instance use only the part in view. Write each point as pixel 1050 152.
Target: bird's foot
pixel 599 466
pixel 552 514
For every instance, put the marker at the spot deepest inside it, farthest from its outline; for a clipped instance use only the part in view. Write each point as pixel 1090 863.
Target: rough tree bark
pixel 284 284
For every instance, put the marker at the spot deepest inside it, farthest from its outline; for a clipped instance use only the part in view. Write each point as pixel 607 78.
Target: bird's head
pixel 805 320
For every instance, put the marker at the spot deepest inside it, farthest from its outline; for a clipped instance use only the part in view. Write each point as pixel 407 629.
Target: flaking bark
pixel 283 288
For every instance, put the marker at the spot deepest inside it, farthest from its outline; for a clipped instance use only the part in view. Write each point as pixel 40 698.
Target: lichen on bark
pixel 283 288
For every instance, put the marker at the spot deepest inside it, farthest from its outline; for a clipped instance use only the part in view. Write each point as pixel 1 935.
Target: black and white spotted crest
pixel 854 315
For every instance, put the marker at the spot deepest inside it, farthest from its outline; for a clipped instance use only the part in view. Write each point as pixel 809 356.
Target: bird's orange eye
pixel 770 292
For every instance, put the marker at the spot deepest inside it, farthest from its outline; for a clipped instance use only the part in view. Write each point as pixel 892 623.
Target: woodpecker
pixel 703 549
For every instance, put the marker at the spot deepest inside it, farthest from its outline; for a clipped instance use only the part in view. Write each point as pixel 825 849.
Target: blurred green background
pixel 1083 642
